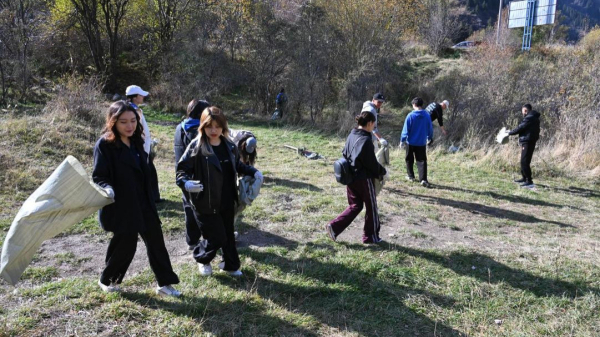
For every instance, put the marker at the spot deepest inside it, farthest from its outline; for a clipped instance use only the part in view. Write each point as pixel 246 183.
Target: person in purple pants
pixel 360 153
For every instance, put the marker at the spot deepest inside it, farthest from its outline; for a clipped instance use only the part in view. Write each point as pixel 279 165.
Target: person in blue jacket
pixel 185 132
pixel 122 169
pixel 416 134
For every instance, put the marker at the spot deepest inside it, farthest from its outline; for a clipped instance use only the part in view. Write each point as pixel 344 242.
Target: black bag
pixel 342 170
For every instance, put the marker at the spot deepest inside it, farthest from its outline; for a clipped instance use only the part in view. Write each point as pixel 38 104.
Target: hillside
pixel 473 256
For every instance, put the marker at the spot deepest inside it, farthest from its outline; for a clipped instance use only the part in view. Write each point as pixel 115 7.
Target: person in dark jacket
pixel 436 111
pixel 281 102
pixel 121 168
pixel 360 152
pixel 416 133
pixel 185 132
pixel 529 133
pixel 207 172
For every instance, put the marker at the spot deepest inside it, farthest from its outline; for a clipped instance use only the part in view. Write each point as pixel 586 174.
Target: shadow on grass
pixel 492 271
pixel 270 181
pixel 510 198
pixel 231 318
pixel 578 191
pixel 499 213
pixel 337 295
pixel 346 298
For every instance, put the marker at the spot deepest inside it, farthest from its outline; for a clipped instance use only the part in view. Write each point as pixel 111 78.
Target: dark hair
pixel 246 158
pixel 417 101
pixel 111 134
pixel 195 108
pixel 131 97
pixel 282 90
pixel 364 118
pixel 528 107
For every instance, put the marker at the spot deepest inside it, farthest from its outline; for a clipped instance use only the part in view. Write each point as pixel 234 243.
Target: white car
pixel 464 45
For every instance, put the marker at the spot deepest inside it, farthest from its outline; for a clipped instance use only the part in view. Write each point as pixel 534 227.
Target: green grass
pixel 470 250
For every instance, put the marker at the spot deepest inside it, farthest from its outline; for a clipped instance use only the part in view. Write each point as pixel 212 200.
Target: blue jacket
pixel 417 128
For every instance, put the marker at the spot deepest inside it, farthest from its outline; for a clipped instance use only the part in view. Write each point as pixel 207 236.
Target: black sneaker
pixel 527 184
pixel 425 183
pixel 330 232
pixel 520 181
pixel 409 178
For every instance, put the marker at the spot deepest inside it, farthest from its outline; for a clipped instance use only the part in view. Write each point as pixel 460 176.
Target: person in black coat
pixel 360 152
pixel 529 133
pixel 121 168
pixel 185 132
pixel 207 173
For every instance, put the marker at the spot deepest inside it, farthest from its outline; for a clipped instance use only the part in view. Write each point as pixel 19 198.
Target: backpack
pixel 343 170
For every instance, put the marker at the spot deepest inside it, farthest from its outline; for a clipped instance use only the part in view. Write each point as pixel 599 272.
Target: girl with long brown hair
pixel 207 172
pixel 121 168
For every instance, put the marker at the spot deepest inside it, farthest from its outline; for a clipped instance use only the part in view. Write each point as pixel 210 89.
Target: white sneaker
pixel 110 288
pixel 167 290
pixel 205 269
pixel 236 273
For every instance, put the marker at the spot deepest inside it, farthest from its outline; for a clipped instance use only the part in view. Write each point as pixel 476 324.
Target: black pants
pixel 192 230
pixel 217 231
pixel 526 155
pixel 420 154
pixel 121 251
pixel 154 179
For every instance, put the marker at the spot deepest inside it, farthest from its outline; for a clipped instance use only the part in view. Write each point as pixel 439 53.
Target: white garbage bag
pixel 63 200
pixel 502 136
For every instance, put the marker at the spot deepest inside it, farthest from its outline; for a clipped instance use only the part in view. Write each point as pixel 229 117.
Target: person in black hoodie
pixel 207 173
pixel 185 132
pixel 121 168
pixel 359 151
pixel 529 133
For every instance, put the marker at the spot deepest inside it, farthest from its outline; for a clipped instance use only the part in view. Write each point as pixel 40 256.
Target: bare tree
pixel 86 14
pixel 442 24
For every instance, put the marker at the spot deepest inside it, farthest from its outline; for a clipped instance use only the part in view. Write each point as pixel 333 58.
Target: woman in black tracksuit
pixel 360 152
pixel 121 168
pixel 207 173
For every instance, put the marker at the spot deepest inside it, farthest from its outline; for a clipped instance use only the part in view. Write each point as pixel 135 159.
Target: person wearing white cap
pixel 436 111
pixel 373 107
pixel 135 97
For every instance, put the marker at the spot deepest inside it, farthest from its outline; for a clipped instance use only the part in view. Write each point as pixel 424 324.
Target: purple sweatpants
pixel 360 192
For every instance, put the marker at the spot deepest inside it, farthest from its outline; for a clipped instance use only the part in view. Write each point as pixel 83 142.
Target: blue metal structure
pixel 528 29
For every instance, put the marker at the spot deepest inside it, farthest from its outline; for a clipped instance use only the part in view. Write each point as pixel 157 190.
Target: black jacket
pixel 115 167
pixel 359 150
pixel 529 129
pixel 436 112
pixel 183 138
pixel 207 170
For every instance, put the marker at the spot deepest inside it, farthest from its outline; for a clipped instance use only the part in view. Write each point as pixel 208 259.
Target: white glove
pixel 258 176
pixel 383 142
pixel 110 193
pixel 193 186
pixel 403 145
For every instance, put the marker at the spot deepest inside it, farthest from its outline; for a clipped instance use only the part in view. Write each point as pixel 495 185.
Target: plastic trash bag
pixel 63 200
pixel 502 136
